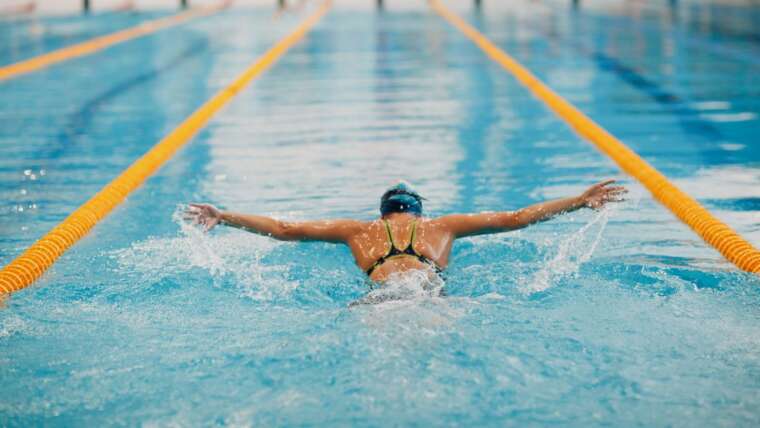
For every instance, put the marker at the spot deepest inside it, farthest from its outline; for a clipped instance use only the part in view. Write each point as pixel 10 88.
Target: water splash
pixel 228 258
pixel 199 246
pixel 10 325
pixel 572 252
pixel 407 306
pixel 405 286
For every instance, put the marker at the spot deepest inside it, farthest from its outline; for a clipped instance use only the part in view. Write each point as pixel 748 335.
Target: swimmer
pixel 402 239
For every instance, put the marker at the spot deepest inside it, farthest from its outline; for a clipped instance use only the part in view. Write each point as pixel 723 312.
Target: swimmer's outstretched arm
pixel 462 225
pixel 337 231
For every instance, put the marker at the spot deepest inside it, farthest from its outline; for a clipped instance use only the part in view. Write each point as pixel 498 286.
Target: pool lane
pixel 658 74
pixel 24 38
pixel 24 270
pixel 716 233
pixel 700 105
pixel 96 44
pixel 61 143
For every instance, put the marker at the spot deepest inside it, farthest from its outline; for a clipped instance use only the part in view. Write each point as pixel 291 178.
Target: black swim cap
pixel 401 199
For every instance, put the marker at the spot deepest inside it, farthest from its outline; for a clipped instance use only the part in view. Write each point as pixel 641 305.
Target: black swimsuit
pixel 408 251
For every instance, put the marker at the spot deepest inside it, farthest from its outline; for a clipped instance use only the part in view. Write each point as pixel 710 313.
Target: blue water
pixel 29 36
pixel 621 317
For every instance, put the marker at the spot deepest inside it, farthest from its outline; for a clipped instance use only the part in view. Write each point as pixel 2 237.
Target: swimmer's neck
pixel 399 217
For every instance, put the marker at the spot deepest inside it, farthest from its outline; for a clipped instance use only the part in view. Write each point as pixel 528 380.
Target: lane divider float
pixel 99 43
pixel 716 233
pixel 31 264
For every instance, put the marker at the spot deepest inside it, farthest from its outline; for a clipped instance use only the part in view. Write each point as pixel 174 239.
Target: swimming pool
pixel 620 317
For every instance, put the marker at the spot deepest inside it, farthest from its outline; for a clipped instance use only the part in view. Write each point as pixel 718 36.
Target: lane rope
pixel 716 233
pixel 103 42
pixel 31 264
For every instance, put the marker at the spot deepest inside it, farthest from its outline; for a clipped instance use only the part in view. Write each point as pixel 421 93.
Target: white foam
pixel 408 303
pixel 729 117
pixel 572 252
pixel 219 254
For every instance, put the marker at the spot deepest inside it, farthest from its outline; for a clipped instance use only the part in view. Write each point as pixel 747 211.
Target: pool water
pixel 620 317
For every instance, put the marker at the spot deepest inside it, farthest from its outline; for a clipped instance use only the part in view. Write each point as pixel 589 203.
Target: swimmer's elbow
pixel 285 231
pixel 517 220
pixel 520 218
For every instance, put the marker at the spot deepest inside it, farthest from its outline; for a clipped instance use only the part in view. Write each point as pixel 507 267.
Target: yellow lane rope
pixel 713 231
pixel 30 265
pixel 103 42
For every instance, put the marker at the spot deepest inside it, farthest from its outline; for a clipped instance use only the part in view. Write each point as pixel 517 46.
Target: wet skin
pixel 368 240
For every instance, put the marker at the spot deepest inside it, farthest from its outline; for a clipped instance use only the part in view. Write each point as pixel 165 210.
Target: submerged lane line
pixel 716 233
pixel 30 265
pixel 103 42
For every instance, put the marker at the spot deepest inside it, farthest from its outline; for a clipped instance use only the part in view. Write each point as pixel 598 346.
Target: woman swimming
pixel 402 240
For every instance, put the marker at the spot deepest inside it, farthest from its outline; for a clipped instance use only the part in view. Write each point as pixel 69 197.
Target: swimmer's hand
pixel 601 193
pixel 205 215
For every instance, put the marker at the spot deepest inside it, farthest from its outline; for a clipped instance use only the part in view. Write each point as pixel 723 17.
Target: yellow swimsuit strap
pixel 394 251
